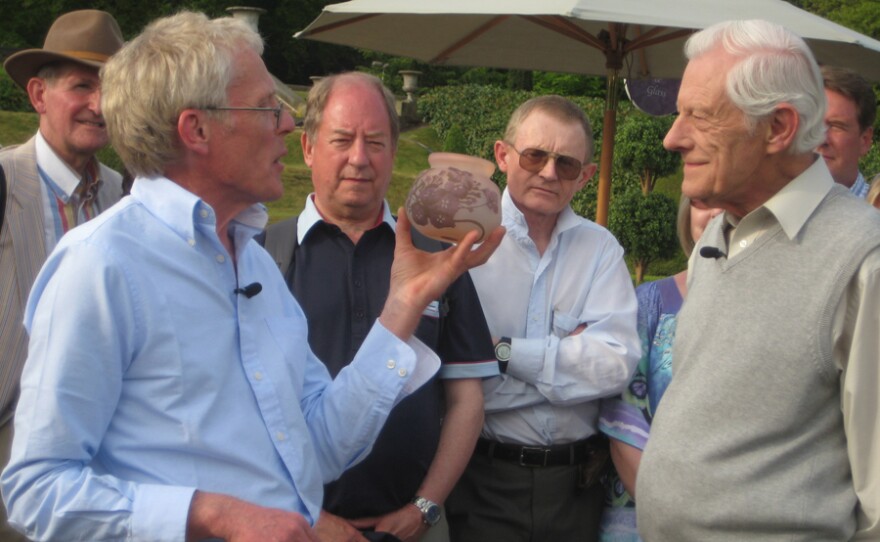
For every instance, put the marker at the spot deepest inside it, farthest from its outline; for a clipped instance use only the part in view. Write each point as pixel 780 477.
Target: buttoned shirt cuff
pixel 527 358
pixel 160 512
pixel 411 360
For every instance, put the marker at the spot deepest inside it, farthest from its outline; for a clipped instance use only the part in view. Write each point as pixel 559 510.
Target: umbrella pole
pixel 609 127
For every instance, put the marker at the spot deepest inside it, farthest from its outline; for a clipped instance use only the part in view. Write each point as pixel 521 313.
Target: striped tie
pixel 81 206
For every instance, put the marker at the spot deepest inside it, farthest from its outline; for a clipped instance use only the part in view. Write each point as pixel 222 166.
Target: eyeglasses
pixel 275 110
pixel 533 160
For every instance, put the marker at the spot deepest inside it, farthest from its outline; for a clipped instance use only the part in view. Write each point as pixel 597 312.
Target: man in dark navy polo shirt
pixel 339 273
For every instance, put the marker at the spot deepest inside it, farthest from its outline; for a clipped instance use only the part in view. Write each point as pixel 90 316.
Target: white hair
pixel 177 62
pixel 775 67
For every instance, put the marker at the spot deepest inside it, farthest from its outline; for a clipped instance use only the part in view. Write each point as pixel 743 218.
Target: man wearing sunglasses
pixel 560 305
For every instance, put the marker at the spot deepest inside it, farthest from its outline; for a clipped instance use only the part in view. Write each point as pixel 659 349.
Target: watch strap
pixel 502 353
pixel 429 509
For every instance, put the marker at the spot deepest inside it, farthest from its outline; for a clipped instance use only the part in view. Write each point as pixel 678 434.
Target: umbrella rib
pixel 340 24
pixel 566 28
pixel 482 29
pixel 650 38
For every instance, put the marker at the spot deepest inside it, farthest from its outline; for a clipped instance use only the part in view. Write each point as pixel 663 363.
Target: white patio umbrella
pixel 630 38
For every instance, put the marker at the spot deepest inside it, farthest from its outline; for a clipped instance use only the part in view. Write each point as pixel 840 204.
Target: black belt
pixel 575 453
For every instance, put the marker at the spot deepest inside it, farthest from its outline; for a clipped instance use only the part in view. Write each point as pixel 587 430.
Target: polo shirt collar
pixel 310 216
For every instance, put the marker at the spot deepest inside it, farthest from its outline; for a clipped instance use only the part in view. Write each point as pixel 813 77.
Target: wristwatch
pixel 502 353
pixel 430 510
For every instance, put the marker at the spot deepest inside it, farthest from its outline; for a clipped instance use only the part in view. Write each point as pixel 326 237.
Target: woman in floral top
pixel 627 419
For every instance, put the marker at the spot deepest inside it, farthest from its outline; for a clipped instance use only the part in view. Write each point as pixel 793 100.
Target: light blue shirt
pixel 554 379
pixel 156 379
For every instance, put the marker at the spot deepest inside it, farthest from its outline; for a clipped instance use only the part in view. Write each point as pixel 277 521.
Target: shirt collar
pixel 62 175
pixel 797 200
pixel 183 211
pixel 310 216
pixel 514 220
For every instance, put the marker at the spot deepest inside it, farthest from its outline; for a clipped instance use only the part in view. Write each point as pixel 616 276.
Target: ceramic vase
pixel 456 195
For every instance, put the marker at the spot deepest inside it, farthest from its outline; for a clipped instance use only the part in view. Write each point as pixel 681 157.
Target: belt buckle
pixel 541 453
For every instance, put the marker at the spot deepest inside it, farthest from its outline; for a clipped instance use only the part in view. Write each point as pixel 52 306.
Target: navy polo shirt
pixel 342 288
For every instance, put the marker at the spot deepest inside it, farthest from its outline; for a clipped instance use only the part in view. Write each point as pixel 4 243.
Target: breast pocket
pixel 564 324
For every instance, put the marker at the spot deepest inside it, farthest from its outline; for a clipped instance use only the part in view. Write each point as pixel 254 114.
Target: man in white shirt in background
pixel 561 308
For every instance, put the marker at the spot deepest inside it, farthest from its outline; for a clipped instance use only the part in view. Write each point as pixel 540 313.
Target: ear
pixel 308 149
pixel 782 128
pixel 501 154
pixel 36 91
pixel 588 172
pixel 866 138
pixel 194 131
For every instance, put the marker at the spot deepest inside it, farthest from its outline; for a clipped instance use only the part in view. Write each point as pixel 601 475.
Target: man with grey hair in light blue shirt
pixel 176 397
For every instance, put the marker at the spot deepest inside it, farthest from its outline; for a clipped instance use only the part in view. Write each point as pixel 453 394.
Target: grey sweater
pixel 748 442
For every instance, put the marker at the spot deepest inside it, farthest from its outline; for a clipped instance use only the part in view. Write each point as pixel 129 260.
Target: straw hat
pixel 88 37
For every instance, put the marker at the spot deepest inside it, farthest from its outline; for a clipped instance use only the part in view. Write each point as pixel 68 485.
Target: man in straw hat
pixel 54 180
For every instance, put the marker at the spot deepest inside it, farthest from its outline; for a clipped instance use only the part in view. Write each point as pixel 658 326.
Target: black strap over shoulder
pixel 280 241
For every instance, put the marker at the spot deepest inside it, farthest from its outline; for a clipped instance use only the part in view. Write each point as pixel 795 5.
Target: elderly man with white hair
pixel 769 429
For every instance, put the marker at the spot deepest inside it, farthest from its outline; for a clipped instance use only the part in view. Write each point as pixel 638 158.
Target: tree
pixel 26 21
pixel 860 15
pixel 645 227
pixel 639 149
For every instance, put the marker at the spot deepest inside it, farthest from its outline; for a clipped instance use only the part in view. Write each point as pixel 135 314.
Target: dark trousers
pixel 500 500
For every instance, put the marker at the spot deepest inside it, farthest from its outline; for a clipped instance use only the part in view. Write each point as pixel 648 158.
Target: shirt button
pixel 402 372
pixel 744 243
pixel 390 364
pixel 280 436
pixel 220 258
pixel 203 213
pixel 191 242
pixel 258 375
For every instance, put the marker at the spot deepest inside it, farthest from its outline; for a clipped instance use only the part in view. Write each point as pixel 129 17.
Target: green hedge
pixel 12 97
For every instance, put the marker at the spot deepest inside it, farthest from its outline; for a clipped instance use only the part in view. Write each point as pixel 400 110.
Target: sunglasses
pixel 534 160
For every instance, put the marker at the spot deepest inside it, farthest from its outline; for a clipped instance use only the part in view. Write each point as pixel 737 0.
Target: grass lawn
pixel 16 128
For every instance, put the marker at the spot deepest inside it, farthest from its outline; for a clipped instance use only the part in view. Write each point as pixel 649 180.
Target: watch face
pixel 432 514
pixel 502 351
